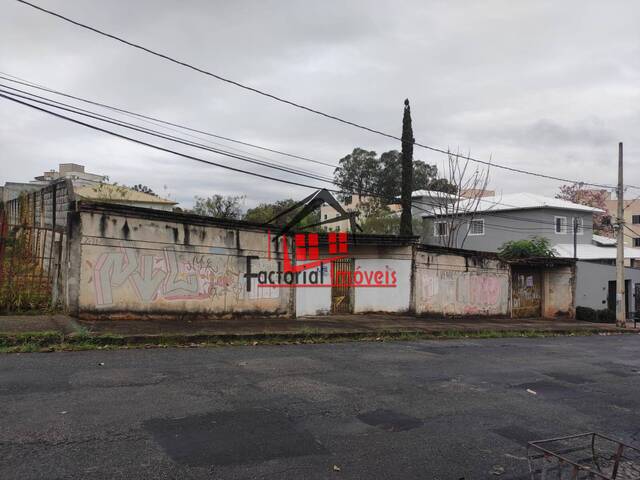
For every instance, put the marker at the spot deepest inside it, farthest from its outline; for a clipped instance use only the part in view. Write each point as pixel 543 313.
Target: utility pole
pixel 406 219
pixel 575 238
pixel 620 296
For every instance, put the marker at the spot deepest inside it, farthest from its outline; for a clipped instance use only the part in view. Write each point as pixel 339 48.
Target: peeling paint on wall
pixel 170 275
pixel 446 285
pixel 150 271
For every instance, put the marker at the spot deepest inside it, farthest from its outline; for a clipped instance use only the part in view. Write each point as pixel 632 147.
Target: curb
pixel 53 341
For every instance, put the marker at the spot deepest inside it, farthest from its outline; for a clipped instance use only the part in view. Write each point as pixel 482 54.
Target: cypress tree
pixel 407 171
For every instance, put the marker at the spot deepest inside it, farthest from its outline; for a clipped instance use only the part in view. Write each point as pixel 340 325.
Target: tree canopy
pixel 219 206
pixel 592 198
pixel 527 248
pixel 264 212
pixel 364 174
pixel 358 172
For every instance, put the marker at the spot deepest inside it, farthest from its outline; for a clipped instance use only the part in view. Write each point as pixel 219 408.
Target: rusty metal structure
pixel 583 456
pixel 32 242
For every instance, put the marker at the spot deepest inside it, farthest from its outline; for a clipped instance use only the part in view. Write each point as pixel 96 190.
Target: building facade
pixel 631 218
pixel 488 223
pixel 568 228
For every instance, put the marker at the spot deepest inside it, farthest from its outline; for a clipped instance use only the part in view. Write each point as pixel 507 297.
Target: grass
pixel 83 340
pixel 25 287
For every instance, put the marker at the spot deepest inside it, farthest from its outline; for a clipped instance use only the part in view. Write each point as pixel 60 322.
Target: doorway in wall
pixel 527 292
pixel 341 286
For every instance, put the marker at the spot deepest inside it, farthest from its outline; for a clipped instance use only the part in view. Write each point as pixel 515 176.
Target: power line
pixel 27 83
pixel 163 149
pixel 290 102
pixel 157 147
pixel 107 119
pixel 155 133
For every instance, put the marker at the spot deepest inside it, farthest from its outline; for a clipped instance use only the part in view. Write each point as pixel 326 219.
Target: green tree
pixel 406 227
pixel 376 217
pixel 358 173
pixel 264 212
pixel 424 177
pixel 527 248
pixel 442 185
pixel 219 206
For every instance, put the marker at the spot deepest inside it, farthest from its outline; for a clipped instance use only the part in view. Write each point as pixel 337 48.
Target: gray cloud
pixel 545 86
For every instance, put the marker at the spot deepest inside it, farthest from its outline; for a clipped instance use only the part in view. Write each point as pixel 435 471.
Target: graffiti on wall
pixel 456 292
pixel 168 276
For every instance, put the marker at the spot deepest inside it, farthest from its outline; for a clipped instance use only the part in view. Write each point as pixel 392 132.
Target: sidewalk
pixel 322 325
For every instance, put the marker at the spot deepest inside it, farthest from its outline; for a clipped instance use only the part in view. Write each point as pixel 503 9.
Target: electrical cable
pixel 292 103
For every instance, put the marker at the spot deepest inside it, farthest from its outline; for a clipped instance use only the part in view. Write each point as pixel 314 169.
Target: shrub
pixel 531 248
pixel 606 316
pixel 587 314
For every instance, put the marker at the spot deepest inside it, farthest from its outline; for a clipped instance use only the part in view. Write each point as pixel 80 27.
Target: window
pixel 636 242
pixel 348 200
pixel 578 225
pixel 561 224
pixel 325 216
pixel 440 229
pixel 476 227
pixel 635 219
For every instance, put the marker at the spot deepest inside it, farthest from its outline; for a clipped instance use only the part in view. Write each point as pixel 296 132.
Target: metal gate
pixel 526 285
pixel 30 258
pixel 342 285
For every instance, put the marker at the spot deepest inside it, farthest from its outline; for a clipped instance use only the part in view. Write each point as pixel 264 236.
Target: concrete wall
pixel 132 264
pixel 368 260
pixel 383 299
pixel 592 281
pixel 447 284
pixel 315 300
pixel 558 291
pixel 504 226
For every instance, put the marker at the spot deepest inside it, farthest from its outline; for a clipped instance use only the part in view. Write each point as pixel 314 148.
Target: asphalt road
pixel 429 409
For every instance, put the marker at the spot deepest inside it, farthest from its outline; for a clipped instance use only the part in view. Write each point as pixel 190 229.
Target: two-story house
pixel 485 224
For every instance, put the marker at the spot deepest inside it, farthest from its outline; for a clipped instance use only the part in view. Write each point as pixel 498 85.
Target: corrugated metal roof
pixel 593 252
pixel 433 194
pixel 602 240
pixel 529 200
pixel 518 201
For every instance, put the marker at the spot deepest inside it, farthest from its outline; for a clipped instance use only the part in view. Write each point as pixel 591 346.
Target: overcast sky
pixel 546 86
